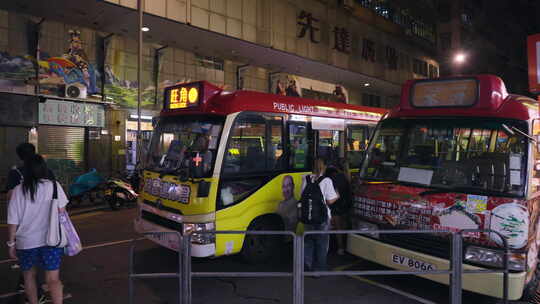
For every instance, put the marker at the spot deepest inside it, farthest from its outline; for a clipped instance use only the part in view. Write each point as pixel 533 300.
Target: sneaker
pixel 341 251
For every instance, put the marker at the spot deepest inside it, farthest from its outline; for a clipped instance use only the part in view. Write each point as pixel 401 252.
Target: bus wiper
pixel 468 190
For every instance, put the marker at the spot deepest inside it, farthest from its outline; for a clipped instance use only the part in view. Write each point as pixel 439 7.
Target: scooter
pixel 86 187
pixel 120 192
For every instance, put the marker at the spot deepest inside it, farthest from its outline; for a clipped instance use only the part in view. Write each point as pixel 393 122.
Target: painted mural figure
pixel 77 55
pixel 287 207
pixel 292 90
pixel 280 89
pixel 72 67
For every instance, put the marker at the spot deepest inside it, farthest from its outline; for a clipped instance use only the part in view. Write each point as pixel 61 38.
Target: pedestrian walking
pixel 15 177
pixel 28 224
pixel 316 245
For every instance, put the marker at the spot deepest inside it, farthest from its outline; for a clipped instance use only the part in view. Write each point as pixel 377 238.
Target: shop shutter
pixel 64 150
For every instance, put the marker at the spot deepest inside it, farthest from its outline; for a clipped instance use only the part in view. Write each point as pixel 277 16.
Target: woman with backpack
pixel 28 224
pixel 317 194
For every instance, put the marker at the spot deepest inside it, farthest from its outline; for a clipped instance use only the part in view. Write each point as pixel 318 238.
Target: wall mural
pixel 123 90
pixel 15 71
pixel 70 74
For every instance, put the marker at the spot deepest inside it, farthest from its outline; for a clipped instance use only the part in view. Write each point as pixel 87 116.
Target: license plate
pixel 411 263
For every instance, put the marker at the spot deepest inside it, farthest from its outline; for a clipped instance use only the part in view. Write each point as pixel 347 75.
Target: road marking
pixel 86 215
pixel 384 286
pixel 12 294
pixel 113 243
pixel 91 247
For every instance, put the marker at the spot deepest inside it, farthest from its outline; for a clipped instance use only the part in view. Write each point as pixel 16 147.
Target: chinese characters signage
pixel 307 23
pixel 182 97
pixel 342 40
pixel 66 113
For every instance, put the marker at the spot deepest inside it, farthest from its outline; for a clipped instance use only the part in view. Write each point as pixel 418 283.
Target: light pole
pixel 140 30
pixel 459 59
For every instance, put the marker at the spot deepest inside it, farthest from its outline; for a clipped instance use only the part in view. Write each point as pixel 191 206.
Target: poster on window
pixel 284 84
pixel 533 50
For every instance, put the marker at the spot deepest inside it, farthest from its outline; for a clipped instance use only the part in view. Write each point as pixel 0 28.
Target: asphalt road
pixel 99 273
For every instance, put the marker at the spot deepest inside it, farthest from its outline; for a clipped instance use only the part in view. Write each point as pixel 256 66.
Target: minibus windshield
pixel 185 142
pixel 472 155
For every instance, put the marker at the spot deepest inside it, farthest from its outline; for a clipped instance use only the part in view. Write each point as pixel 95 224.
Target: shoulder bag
pixel 56 236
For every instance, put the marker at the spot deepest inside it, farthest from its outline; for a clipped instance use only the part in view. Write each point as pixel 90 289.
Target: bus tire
pixel 262 248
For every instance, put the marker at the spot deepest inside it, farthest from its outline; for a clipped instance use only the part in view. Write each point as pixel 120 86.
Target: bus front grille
pixel 161 221
pixel 438 246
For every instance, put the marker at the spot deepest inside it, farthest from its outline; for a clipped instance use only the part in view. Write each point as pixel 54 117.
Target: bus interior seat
pixel 254 159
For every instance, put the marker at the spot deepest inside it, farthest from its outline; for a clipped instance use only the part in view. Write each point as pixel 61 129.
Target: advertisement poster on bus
pixel 533 54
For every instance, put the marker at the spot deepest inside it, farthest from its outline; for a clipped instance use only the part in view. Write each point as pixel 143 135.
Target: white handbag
pixel 56 236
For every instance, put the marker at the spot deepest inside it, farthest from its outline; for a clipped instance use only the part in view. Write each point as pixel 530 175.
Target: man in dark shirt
pixel 16 174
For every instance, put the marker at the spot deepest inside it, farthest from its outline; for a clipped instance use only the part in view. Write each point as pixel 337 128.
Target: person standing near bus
pixel 316 245
pixel 340 209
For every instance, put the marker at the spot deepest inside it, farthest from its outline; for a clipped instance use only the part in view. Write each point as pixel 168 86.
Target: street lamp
pixel 459 58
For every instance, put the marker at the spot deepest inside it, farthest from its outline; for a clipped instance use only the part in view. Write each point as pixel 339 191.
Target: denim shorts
pixel 47 258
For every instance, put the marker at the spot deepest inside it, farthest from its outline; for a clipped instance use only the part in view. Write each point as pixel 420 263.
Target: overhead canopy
pixel 107 17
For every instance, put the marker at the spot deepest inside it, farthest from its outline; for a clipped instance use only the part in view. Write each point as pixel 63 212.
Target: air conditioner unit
pixel 348 4
pixel 75 90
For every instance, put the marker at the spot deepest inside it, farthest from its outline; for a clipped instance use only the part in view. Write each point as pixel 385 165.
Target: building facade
pixel 78 60
pixel 492 36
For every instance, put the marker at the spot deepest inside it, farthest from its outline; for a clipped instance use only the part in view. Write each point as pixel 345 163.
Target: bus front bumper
pixel 172 241
pixel 490 284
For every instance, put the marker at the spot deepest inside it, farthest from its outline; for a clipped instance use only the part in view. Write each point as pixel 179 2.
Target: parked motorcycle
pixel 86 187
pixel 120 192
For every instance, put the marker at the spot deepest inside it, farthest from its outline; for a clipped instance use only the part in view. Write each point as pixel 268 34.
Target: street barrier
pixel 180 274
pixel 455 271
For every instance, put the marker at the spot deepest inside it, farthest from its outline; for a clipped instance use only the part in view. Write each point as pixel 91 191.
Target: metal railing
pixel 455 271
pixel 180 274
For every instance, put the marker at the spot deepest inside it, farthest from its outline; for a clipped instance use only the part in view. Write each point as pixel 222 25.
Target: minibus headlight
pixel 198 238
pixel 366 226
pixel 495 258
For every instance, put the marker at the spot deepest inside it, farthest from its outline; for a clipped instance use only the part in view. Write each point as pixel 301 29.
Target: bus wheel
pixel 262 248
